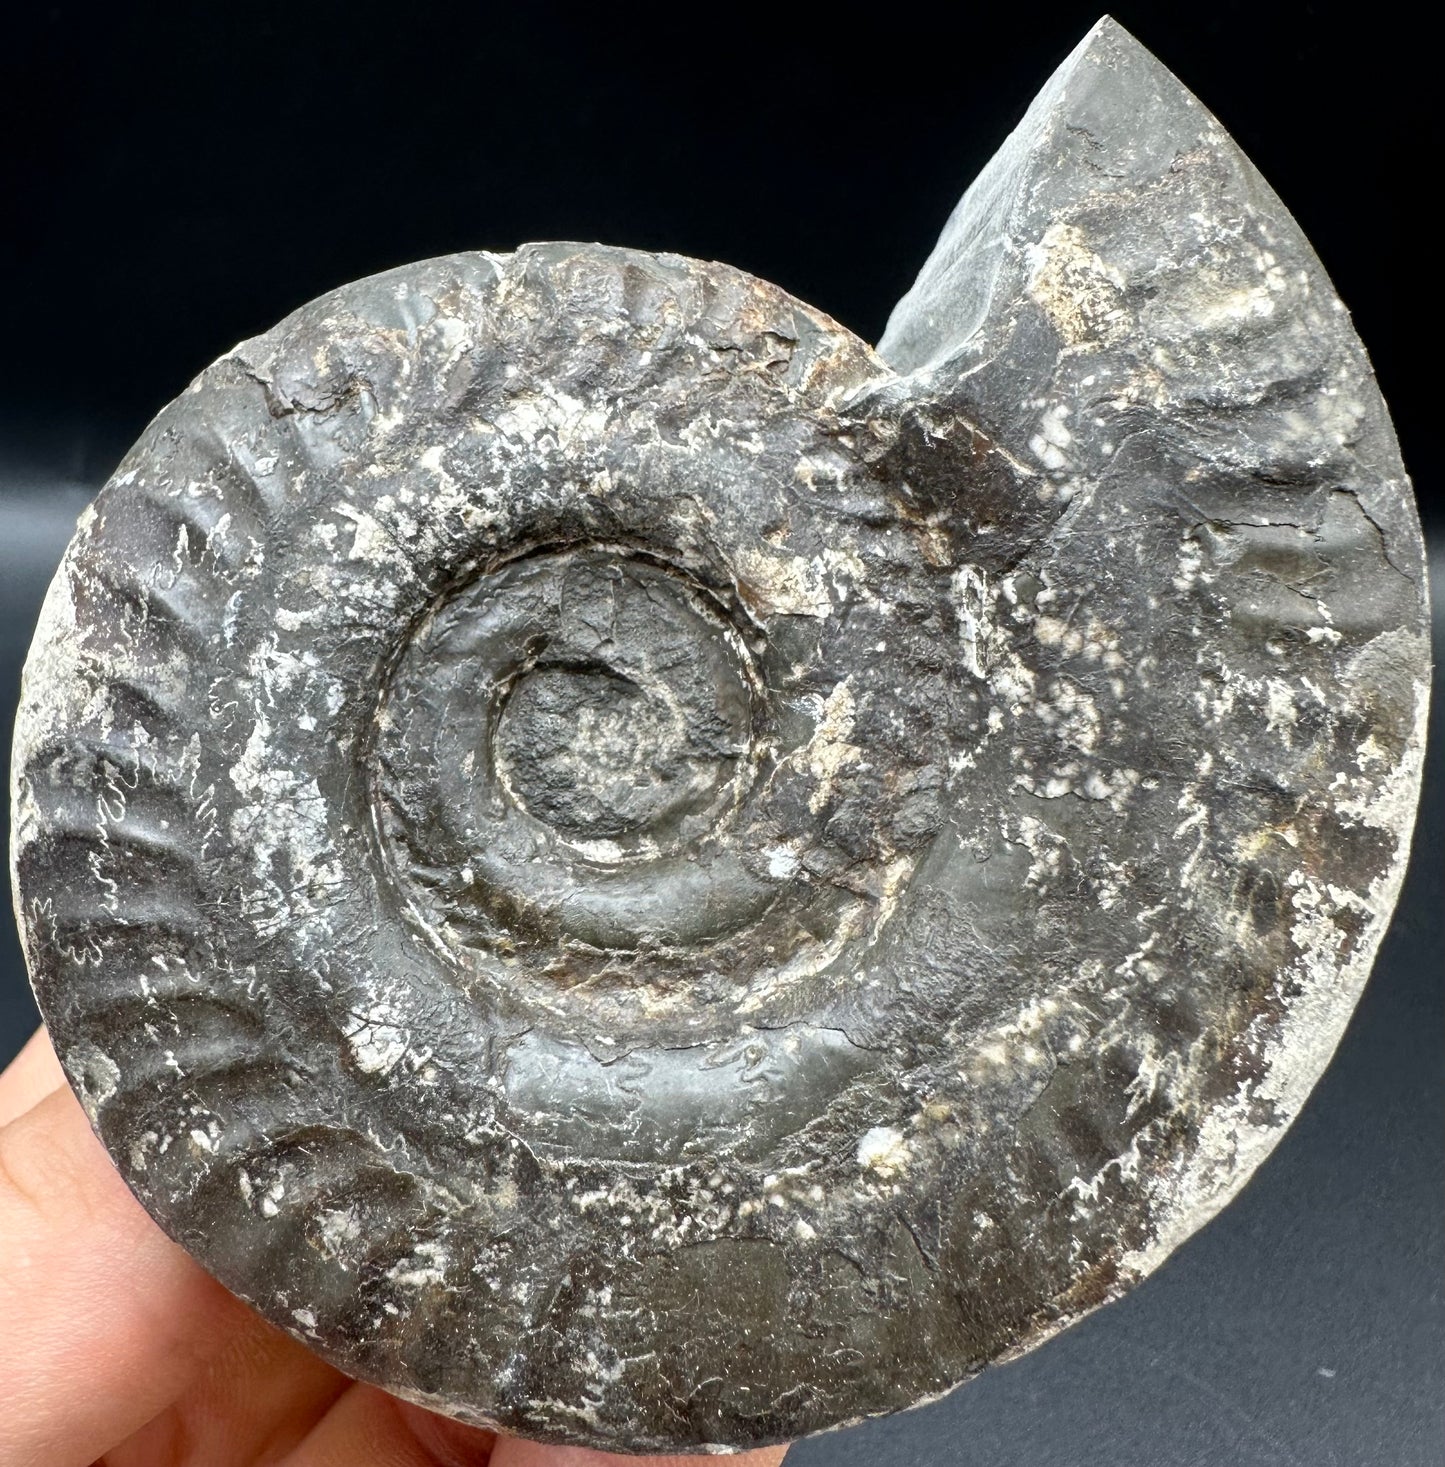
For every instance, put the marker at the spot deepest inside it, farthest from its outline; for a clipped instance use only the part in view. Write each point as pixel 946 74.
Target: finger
pixel 512 1452
pixel 106 1321
pixel 253 1402
pixel 29 1077
pixel 368 1426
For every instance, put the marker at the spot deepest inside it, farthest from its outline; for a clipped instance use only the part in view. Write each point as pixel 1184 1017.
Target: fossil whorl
pixel 632 869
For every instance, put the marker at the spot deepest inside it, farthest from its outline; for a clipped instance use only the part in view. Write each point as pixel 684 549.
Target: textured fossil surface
pixel 630 868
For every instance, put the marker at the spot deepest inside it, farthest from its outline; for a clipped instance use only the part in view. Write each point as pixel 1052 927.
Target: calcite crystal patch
pixel 634 869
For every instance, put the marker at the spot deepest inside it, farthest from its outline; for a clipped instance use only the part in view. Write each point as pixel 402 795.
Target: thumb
pixel 106 1320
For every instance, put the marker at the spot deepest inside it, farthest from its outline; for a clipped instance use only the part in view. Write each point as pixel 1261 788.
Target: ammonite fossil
pixel 634 869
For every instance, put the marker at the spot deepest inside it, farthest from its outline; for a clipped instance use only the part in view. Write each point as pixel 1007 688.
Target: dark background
pixel 174 180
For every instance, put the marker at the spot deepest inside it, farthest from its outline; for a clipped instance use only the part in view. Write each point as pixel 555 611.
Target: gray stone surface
pixel 628 867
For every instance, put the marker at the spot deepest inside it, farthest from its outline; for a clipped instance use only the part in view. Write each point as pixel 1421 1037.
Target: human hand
pixel 117 1349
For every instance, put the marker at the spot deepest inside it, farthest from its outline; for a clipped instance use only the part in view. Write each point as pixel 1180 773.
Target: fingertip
pixel 33 1074
pixel 366 1425
pixel 451 1443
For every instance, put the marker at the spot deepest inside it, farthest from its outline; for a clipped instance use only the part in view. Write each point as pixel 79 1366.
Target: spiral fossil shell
pixel 633 869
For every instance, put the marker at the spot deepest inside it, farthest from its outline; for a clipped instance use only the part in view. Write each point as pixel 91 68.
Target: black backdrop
pixel 174 180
